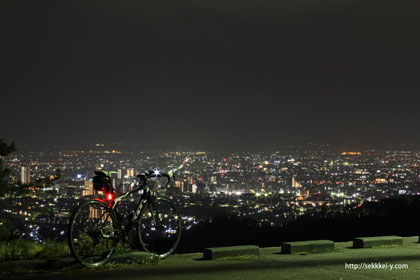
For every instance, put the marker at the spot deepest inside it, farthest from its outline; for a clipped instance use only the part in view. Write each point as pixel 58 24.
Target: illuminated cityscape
pixel 273 188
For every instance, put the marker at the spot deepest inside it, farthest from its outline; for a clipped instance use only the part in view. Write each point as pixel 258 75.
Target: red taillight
pixel 110 196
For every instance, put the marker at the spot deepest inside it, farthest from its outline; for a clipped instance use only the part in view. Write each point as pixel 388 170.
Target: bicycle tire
pixel 92 233
pixel 159 227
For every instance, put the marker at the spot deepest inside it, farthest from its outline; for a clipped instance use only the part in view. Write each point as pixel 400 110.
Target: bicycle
pixel 96 226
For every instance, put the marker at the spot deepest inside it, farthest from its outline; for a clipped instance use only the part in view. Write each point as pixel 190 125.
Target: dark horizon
pixel 211 73
pixel 133 146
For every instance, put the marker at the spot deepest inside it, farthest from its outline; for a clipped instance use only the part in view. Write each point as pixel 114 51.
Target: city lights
pixel 272 187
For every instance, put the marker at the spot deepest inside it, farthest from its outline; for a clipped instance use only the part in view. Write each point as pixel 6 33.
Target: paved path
pixel 270 265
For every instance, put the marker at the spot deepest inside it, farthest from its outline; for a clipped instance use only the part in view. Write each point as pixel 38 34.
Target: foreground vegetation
pixel 24 249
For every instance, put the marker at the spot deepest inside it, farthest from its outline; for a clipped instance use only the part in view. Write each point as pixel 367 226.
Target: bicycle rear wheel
pixel 92 233
pixel 159 227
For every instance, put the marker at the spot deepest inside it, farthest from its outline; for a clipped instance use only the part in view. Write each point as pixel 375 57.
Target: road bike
pixel 96 226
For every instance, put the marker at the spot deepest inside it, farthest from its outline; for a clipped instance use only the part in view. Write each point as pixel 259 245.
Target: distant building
pixel 130 173
pixel 295 184
pixel 381 181
pixel 190 180
pixel 213 180
pixel 119 171
pixel 94 213
pixel 25 175
pixel 88 189
pixel 181 185
pixel 194 188
pixel 99 166
pixel 303 193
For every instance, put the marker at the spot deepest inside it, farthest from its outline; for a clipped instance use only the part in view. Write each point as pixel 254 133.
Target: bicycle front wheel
pixel 159 227
pixel 92 233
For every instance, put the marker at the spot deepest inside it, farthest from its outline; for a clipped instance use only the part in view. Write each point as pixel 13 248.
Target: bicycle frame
pixel 147 197
pixel 112 201
pixel 148 201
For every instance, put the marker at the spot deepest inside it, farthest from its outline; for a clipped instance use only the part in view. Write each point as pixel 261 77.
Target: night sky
pixel 248 74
